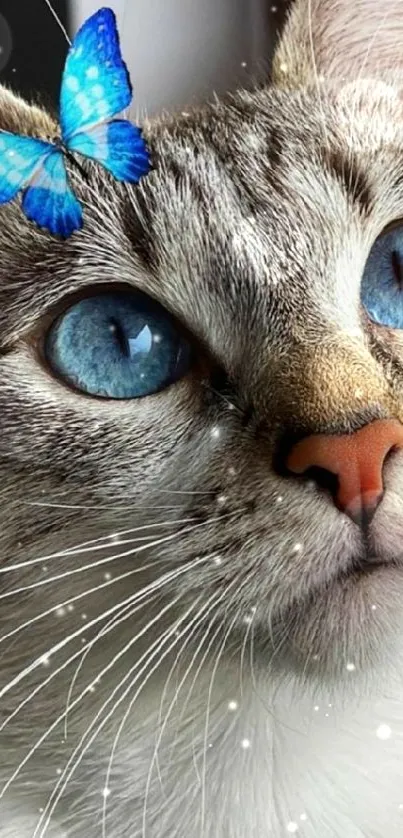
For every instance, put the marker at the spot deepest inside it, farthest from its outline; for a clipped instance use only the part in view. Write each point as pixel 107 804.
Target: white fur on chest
pixel 248 764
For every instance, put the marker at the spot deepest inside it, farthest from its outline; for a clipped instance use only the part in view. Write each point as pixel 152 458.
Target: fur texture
pixel 198 614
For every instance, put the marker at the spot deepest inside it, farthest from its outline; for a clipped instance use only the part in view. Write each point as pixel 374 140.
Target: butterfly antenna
pixel 58 21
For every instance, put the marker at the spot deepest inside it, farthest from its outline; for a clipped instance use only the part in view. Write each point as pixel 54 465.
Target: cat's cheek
pixel 350 629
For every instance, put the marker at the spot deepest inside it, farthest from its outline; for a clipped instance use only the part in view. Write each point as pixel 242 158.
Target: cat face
pixel 252 232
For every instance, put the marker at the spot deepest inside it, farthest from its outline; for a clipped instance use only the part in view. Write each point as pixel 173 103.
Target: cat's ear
pixel 20 118
pixel 340 39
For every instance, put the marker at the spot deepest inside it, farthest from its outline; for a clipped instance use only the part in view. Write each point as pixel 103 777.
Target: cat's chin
pixel 352 628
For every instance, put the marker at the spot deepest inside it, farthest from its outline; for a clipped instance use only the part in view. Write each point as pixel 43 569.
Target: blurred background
pixel 178 51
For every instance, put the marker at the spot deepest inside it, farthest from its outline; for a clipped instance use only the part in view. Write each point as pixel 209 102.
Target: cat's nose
pixel 356 460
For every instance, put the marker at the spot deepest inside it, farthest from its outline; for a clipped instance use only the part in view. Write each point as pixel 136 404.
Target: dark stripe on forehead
pixel 343 166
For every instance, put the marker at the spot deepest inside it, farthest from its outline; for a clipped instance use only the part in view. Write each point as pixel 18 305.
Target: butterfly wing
pixel 49 200
pixel 20 158
pixel 118 145
pixel 96 84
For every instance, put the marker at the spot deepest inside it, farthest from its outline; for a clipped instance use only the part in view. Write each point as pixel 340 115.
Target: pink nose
pixel 357 459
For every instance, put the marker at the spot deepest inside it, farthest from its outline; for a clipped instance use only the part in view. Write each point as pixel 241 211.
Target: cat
pixel 202 587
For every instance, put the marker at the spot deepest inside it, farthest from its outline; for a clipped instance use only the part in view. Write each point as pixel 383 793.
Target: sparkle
pixel 232 471
pixel 292 827
pixel 245 744
pixel 70 607
pixel 58 771
pixel 106 792
pixel 222 500
pixel 279 498
pixel 60 611
pixel 274 9
pixel 284 67
pixel 157 338
pixel 232 706
pixel 384 732
pixel 217 560
pixel 244 64
pixel 316 708
pixel 297 548
pixel 303 817
pixel 215 432
pixel 350 667
pixel 84 617
pixel 107 576
pixel 45 660
pixel 373 607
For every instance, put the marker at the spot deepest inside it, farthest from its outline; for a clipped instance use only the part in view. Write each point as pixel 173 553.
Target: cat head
pixel 240 261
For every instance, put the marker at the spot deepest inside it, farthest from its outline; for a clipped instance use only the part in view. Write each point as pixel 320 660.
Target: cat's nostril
pixel 323 478
pixel 355 460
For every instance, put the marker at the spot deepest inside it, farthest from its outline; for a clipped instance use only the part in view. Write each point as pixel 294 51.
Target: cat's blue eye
pixel 382 283
pixel 119 345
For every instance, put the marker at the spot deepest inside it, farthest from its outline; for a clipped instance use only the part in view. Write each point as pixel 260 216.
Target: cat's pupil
pixel 397 268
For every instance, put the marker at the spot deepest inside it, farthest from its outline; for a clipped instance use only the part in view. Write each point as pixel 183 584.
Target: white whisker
pixel 69 771
pixel 211 603
pixel 58 21
pixel 62 643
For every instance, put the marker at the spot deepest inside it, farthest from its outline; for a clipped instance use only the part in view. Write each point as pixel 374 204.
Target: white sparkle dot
pixel 106 792
pixel 274 9
pixel 60 611
pixel 84 617
pixel 384 732
pixel 292 827
pixel 58 771
pixel 350 667
pixel 217 560
pixel 303 817
pixel 70 607
pixel 400 805
pixel 373 607
pixel 157 338
pixel 107 576
pixel 245 744
pixel 315 657
pixel 215 432
pixel 44 568
pixel 279 498
pixel 45 660
pixel 297 548
pixel 316 708
pixel 232 705
pixel 243 64
pixel 329 705
pixel 221 500
pixel 284 67
pixel 327 715
pixel 232 471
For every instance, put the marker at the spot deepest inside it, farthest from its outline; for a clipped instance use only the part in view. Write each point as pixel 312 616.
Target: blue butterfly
pixel 95 87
